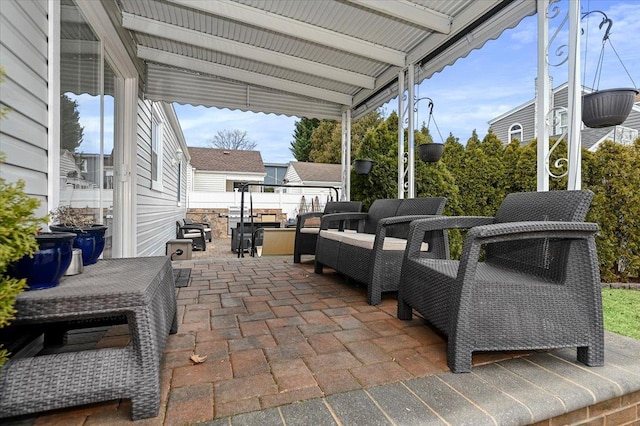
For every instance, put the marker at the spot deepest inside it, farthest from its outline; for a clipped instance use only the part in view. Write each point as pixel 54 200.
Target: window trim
pixel 157 146
pixel 513 132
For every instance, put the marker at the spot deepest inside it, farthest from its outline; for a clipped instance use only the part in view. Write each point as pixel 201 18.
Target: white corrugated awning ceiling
pixel 304 58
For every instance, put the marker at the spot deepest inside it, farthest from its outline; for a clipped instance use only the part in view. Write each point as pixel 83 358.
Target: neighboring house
pixel 275 173
pixel 70 173
pixel 520 123
pixel 313 174
pixel 225 170
pixel 71 48
pixel 92 168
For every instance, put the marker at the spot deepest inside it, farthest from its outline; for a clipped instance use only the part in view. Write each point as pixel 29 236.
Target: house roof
pixel 226 160
pixel 317 172
pixel 304 58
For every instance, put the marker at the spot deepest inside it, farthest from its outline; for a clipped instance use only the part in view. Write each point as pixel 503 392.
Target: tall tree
pixel 301 144
pixel 232 139
pixel 71 132
pixel 326 143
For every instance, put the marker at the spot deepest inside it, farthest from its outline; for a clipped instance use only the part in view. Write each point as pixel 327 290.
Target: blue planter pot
pixel 48 264
pixel 88 239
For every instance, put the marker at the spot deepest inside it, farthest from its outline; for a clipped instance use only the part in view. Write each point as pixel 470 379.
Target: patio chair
pixel 206 226
pixel 307 228
pixel 537 288
pixel 195 233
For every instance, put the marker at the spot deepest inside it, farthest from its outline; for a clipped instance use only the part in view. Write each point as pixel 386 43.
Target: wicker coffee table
pixel 140 289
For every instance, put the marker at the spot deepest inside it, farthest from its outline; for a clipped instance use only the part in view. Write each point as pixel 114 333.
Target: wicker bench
pixel 373 254
pixel 140 289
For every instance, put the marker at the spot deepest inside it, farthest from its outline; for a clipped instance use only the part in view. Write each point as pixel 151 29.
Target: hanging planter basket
pixel 363 167
pixel 430 152
pixel 605 108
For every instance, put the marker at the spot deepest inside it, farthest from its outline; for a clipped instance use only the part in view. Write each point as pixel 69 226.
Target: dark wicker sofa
pixel 372 255
pixel 538 286
pixel 307 233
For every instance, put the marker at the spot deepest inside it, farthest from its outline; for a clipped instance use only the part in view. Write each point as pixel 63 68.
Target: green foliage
pixel 380 144
pixel 621 311
pixel 18 227
pixel 301 144
pixel 613 176
pixel 71 132
pixel 326 143
pixel 477 176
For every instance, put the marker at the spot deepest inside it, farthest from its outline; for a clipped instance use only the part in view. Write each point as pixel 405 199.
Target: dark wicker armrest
pixel 387 222
pixel 196 226
pixel 302 218
pixel 342 218
pixel 515 231
pixel 508 231
pixel 419 227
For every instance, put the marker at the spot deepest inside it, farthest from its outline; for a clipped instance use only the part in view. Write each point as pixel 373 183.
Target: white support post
pixel 400 135
pixel 575 99
pixel 346 155
pixel 542 98
pixel 411 125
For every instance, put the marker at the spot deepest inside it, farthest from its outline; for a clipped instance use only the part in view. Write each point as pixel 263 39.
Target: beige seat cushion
pixel 309 230
pixel 367 240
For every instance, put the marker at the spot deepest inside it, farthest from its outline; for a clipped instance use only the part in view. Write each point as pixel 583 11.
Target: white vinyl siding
pixel 24 132
pixel 157 211
pixel 209 182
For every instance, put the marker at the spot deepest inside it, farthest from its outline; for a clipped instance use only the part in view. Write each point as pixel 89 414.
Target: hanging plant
pixel 430 152
pixel 363 166
pixel 610 107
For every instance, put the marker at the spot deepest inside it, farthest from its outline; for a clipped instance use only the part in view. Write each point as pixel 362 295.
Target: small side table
pixel 142 289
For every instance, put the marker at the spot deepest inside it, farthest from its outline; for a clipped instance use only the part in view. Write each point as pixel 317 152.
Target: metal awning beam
pixel 301 30
pixel 410 12
pixel 231 47
pixel 180 61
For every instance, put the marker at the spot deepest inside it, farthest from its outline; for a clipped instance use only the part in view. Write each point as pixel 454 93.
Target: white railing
pixel 291 204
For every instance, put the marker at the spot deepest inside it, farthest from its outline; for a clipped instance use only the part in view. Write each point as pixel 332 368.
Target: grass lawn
pixel 622 311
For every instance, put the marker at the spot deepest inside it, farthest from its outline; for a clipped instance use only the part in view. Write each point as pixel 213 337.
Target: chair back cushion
pixel 379 210
pixel 543 257
pixel 342 207
pixel 187 221
pixel 416 206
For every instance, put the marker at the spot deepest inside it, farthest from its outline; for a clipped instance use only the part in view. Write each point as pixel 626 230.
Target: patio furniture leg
pixel 405 312
pixel 591 356
pixel 318 267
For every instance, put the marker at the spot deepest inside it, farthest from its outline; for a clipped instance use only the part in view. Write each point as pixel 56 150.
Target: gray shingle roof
pixel 226 160
pixel 317 172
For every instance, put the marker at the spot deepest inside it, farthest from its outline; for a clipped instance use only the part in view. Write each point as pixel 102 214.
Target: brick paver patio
pixel 275 333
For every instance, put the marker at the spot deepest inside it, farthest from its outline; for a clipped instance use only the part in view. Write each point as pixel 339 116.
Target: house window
pixel 156 151
pixel 516 132
pixel 561 122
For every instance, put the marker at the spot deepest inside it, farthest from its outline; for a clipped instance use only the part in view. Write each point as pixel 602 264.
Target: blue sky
pixel 466 95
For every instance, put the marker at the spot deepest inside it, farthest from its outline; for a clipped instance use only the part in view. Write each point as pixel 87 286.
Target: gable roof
pixel 317 172
pixel 226 160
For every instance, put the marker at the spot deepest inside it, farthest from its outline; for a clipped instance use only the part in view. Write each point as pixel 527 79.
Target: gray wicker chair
pixel 307 236
pixel 537 288
pixel 373 254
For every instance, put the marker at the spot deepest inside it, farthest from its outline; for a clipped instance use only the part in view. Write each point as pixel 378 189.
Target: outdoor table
pixel 140 289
